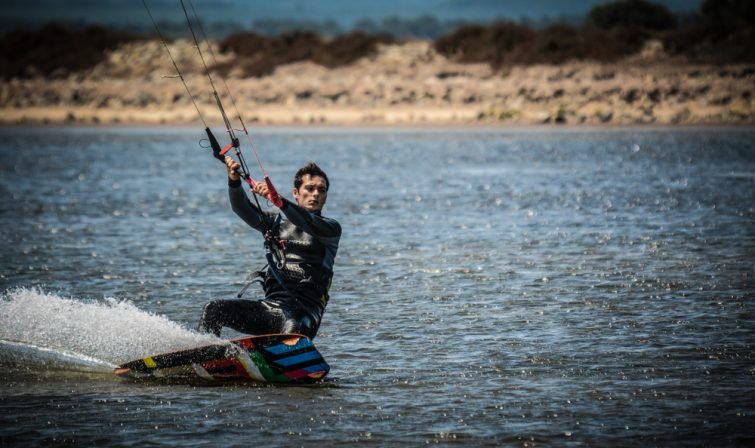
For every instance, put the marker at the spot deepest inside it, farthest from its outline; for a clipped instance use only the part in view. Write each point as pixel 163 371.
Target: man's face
pixel 312 193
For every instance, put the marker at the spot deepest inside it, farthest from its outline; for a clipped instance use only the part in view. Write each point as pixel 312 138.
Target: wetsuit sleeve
pixel 313 223
pixel 243 207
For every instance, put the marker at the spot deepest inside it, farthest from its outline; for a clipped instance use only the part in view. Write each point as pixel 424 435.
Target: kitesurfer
pixel 296 288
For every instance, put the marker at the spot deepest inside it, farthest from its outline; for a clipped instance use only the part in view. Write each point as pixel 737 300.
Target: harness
pixel 275 254
pixel 290 275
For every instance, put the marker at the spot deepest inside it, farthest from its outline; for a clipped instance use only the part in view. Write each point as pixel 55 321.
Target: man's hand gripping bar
pixel 272 194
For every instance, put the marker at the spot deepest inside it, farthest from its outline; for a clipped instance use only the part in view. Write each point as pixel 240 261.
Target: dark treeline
pixel 258 55
pixel 721 32
pixel 56 50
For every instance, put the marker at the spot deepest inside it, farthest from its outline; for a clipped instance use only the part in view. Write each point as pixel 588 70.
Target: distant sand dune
pixel 403 84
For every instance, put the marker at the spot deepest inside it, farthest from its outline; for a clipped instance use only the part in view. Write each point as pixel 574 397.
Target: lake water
pixel 514 287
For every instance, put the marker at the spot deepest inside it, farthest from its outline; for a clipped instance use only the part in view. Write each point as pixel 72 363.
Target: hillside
pixel 360 80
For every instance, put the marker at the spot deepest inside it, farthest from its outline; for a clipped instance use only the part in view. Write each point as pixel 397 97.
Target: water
pixel 512 287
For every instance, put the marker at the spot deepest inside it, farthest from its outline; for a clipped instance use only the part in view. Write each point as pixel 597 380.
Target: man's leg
pixel 244 316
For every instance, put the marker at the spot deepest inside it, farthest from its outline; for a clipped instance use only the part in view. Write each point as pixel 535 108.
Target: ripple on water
pixel 548 287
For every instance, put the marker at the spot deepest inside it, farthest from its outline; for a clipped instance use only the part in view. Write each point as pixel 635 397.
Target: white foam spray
pixel 104 333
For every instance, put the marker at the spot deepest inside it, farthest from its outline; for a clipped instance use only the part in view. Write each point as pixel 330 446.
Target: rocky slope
pixel 403 84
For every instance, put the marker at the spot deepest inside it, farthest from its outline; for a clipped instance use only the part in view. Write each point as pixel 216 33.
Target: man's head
pixel 311 187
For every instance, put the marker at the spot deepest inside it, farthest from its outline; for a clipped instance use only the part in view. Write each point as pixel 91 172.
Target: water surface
pixel 493 287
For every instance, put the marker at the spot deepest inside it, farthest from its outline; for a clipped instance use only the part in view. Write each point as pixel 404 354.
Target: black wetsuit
pixel 297 305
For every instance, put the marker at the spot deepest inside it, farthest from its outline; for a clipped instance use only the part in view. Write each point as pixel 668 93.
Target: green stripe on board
pixel 265 369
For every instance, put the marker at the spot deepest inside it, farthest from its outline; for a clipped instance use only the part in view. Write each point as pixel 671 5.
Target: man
pixel 296 291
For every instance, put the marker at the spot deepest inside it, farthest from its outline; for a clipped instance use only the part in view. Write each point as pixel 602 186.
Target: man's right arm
pixel 243 207
pixel 240 203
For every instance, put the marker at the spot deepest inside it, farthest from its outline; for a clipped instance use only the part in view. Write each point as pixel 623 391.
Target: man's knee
pixel 210 321
pixel 304 325
pixel 211 308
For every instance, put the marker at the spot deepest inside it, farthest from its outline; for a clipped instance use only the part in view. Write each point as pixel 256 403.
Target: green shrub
pixel 631 14
pixel 56 50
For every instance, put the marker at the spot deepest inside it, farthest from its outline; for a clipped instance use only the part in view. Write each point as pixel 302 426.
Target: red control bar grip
pixel 226 149
pixel 272 193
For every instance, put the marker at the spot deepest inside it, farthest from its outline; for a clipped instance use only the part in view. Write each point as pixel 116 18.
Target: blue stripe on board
pixel 283 348
pixel 291 360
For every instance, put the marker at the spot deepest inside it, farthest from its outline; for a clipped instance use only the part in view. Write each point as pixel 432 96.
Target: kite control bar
pixel 272 194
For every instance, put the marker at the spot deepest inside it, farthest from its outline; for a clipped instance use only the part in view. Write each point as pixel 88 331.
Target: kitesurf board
pixel 276 358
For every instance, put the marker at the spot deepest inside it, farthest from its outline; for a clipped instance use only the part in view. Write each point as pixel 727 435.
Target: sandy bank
pixel 406 84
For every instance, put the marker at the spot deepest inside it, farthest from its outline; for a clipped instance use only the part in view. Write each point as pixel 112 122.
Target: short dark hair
pixel 313 170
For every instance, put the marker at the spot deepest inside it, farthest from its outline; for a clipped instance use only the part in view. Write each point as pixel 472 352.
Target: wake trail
pixel 37 327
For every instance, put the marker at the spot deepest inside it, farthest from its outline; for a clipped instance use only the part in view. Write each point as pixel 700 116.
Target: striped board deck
pixel 276 358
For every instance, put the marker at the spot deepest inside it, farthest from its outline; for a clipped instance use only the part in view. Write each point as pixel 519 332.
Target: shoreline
pixel 49 121
pixel 383 127
pixel 336 117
